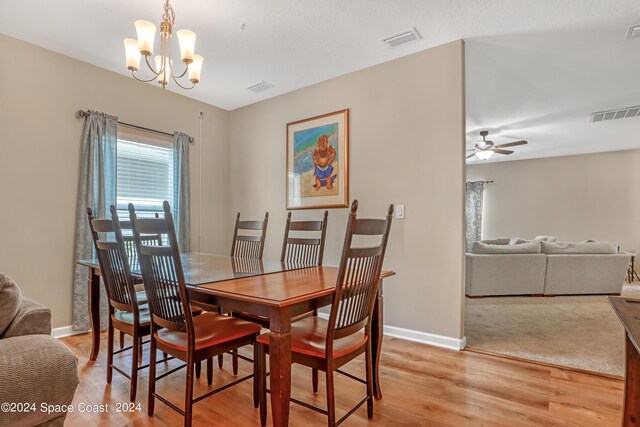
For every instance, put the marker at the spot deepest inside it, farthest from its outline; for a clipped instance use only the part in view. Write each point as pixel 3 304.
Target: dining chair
pixel 130 248
pixel 246 245
pixel 173 329
pixel 307 250
pixel 127 312
pixel 327 345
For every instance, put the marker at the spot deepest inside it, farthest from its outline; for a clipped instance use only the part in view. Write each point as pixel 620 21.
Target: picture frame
pixel 317 152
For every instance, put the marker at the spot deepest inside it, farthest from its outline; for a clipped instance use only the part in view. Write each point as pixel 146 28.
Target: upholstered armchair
pixel 35 368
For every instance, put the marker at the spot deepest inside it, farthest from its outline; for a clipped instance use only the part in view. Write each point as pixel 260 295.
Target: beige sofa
pixel 35 368
pixel 518 267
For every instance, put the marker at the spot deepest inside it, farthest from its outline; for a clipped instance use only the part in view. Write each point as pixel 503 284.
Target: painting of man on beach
pixel 316 150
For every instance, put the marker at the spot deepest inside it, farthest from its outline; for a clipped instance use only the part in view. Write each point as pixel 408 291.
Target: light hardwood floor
pixel 422 386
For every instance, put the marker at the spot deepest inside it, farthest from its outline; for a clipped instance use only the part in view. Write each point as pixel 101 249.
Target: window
pixel 144 171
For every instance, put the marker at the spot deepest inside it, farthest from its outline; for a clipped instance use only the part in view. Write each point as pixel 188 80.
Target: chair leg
pixel 121 340
pixel 165 356
pixel 135 362
pixel 262 383
pixel 256 374
pixel 152 375
pixel 331 402
pixel 314 379
pixel 235 361
pixel 140 350
pixel 220 356
pixel 369 373
pixel 188 399
pixel 210 370
pixel 198 369
pixel 109 351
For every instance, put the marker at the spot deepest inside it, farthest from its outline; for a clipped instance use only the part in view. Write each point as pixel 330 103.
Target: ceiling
pixel 535 69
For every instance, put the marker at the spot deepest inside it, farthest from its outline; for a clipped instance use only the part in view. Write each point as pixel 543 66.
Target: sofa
pixel 35 368
pixel 544 266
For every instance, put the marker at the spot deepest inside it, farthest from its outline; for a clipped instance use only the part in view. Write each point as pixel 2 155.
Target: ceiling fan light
pixel 484 155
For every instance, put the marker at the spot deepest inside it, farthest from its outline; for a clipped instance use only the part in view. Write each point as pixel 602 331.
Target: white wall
pixel 591 196
pixel 40 92
pixel 406 146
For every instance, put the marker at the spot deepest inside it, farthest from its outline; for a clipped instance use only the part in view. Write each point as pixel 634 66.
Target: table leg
pixel 280 365
pixel 376 341
pixel 94 312
pixel 631 413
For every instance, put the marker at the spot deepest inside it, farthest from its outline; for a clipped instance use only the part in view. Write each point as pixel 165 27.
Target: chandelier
pixel 163 69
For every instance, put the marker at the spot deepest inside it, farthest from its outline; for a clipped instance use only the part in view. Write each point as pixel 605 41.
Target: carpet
pixel 576 331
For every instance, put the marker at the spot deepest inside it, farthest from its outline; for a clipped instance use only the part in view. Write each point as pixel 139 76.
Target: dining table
pixel 273 289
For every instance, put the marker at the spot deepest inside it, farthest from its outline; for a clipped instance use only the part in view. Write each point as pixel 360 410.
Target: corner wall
pixel 407 120
pixel 589 196
pixel 40 92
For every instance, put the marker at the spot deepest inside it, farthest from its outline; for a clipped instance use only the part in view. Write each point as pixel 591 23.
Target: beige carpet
pixel 577 331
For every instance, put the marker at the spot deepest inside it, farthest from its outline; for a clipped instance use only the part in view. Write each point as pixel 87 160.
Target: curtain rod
pixel 485 182
pixel 83 113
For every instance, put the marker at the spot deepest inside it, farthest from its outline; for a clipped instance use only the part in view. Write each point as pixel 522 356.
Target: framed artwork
pixel 318 162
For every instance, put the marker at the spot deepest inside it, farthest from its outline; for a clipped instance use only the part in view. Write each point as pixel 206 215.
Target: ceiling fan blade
pixel 471 155
pixel 499 151
pixel 512 144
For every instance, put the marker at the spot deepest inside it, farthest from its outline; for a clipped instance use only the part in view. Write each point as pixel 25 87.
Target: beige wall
pixel 40 91
pixel 406 147
pixel 592 196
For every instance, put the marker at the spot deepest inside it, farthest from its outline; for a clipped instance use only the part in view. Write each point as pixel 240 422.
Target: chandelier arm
pixel 143 80
pixel 181 75
pixel 183 87
pixel 153 70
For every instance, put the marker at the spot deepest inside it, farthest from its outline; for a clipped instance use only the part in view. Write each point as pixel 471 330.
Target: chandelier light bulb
pixel 187 41
pixel 163 67
pixel 133 54
pixel 195 68
pixel 146 34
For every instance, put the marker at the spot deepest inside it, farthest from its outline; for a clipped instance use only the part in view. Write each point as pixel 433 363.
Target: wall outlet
pixel 399 211
pixel 200 113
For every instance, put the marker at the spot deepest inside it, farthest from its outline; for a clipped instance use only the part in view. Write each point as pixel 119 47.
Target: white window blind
pixel 145 171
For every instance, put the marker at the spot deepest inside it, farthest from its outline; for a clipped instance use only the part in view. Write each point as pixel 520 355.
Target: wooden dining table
pixel 273 289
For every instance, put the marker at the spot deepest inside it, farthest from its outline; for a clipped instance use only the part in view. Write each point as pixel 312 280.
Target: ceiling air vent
pixel 402 38
pixel 260 87
pixel 632 32
pixel 620 113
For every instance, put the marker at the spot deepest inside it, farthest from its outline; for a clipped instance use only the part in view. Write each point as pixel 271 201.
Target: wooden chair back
pixel 249 246
pixel 305 251
pixel 114 263
pixel 358 277
pixel 162 272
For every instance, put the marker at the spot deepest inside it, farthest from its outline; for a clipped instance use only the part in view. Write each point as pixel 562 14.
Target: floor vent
pixel 621 113
pixel 402 38
pixel 260 87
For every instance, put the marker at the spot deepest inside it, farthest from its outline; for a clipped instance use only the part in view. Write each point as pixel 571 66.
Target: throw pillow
pixel 522 248
pixel 10 300
pixel 545 238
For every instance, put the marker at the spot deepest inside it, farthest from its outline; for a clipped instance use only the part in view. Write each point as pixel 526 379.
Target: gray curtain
pixel 97 190
pixel 181 189
pixel 474 196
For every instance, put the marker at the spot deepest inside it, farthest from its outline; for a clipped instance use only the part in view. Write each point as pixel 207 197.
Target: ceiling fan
pixel 485 149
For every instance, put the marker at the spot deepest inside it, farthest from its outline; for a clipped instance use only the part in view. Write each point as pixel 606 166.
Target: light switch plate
pixel 399 211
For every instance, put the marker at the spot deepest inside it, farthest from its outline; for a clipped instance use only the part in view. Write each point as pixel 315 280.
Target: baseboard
pixel 419 336
pixel 65 331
